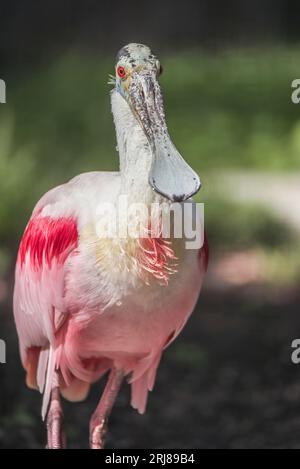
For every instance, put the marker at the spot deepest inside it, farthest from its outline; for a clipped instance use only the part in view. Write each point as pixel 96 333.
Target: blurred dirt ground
pixel 227 382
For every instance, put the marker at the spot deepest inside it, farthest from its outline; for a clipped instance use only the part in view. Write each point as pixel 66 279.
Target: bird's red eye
pixel 121 71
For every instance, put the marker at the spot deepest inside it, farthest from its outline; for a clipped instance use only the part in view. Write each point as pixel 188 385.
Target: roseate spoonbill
pixel 86 304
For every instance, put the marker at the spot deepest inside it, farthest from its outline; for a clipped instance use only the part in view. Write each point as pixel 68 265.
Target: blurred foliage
pixel 282 266
pixel 17 176
pixel 244 226
pixel 231 110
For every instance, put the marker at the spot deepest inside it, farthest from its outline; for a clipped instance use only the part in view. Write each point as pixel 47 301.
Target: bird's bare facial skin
pixel 131 59
pixel 137 72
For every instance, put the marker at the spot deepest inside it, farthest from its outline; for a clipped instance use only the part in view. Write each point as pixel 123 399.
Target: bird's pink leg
pixel 56 437
pixel 98 422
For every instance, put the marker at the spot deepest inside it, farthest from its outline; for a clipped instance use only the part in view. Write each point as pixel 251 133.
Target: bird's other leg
pixel 55 434
pixel 98 422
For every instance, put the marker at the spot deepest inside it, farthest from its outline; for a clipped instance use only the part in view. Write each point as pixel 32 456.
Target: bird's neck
pixel 134 153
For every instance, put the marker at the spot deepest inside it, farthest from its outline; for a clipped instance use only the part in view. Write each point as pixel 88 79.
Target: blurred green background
pixel 227 111
pixel 227 92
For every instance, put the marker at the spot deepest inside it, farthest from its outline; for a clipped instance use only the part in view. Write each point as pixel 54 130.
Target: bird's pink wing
pixel 39 308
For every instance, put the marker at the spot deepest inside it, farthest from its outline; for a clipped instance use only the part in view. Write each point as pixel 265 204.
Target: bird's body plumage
pixel 85 304
pixel 90 301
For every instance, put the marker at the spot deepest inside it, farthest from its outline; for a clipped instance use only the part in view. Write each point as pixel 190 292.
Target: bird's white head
pixel 137 73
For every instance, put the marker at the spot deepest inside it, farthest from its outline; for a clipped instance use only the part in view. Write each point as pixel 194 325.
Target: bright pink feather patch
pixel 47 239
pixel 156 257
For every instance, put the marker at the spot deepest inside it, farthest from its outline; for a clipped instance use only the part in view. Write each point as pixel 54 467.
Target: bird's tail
pixel 40 367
